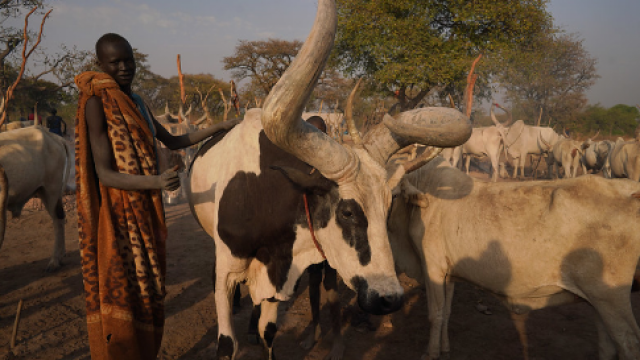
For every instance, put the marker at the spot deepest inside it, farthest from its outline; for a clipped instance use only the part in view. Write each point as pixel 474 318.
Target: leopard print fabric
pixel 122 233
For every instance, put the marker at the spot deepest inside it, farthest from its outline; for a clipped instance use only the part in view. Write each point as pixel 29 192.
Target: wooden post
pixel 15 325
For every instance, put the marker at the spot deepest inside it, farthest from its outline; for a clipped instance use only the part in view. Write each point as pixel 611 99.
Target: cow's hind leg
pixel 56 211
pixel 267 326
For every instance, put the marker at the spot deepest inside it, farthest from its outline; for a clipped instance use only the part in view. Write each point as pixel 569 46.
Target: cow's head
pixel 355 241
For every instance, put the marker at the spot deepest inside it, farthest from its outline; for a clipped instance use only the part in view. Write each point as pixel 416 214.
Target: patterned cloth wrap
pixel 122 233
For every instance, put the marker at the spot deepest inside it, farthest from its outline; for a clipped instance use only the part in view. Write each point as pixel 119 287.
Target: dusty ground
pixel 53 326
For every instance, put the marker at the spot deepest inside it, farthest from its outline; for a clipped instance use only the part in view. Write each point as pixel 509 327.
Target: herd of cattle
pixel 277 195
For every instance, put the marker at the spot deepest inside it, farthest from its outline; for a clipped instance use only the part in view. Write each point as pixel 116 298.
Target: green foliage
pixel 263 62
pixel 618 120
pixel 422 44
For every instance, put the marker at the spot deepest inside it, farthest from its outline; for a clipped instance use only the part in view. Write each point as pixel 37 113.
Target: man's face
pixel 117 61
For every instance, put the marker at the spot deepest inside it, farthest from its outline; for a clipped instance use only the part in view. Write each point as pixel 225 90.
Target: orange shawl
pixel 122 233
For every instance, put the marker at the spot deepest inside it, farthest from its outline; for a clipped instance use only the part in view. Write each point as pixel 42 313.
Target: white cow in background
pixel 35 162
pixel 624 160
pixel 489 142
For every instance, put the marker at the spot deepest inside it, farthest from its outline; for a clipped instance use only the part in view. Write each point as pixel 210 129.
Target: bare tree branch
pixel 25 56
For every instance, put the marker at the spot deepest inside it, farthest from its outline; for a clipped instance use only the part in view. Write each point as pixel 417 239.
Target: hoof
pixel 53 266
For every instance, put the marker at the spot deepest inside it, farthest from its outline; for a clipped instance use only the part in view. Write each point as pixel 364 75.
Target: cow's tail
pixel 4 200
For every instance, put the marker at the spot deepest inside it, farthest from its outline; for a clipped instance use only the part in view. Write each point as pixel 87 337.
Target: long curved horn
pixel 595 136
pixel 348 115
pixel 508 122
pixel 282 109
pixel 564 131
pixel 493 115
pixel 434 126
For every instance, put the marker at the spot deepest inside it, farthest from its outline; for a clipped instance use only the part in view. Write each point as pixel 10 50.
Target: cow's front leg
pixel 436 302
pixel 227 344
pixel 315 279
pixel 267 326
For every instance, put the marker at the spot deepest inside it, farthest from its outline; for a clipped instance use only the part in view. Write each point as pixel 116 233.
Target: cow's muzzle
pixel 371 301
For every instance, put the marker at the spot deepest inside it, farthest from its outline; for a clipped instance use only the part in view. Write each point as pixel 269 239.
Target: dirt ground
pixel 53 324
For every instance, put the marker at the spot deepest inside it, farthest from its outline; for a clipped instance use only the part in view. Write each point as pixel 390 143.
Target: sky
pixel 205 31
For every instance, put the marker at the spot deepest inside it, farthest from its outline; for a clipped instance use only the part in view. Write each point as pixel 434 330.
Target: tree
pixel 412 47
pixel 11 37
pixel 618 120
pixel 553 73
pixel 8 95
pixel 263 62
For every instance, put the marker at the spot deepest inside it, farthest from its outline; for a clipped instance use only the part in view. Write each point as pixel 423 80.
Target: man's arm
pixel 103 155
pixel 183 141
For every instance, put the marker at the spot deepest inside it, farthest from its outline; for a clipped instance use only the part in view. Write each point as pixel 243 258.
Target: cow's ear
pixel 310 183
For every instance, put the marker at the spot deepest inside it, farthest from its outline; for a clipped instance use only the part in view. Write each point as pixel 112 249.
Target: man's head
pixel 53 111
pixel 115 58
pixel 318 122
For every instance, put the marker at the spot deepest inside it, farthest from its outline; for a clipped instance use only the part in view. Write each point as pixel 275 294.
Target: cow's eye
pixel 346 213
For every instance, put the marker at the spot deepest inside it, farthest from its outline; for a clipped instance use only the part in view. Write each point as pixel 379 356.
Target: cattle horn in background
pixel 539 117
pixel 348 114
pixel 495 120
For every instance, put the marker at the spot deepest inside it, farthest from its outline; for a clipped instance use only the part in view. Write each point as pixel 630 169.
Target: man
pixel 122 229
pixel 54 123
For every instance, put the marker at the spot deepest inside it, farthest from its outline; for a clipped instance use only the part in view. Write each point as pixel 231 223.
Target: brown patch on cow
pixel 574 152
pixel 636 195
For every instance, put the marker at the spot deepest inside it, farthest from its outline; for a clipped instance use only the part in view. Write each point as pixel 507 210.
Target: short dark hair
pixel 53 111
pixel 109 38
pixel 318 122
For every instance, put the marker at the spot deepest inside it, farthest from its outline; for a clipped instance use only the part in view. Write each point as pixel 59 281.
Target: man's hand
pixel 169 179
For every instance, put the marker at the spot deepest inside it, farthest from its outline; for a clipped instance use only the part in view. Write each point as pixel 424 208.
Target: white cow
pixel 36 163
pixel 532 244
pixel 595 154
pixel 568 153
pixel 489 141
pixel 624 160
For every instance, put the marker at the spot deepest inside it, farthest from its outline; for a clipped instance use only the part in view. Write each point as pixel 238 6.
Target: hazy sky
pixel 204 32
